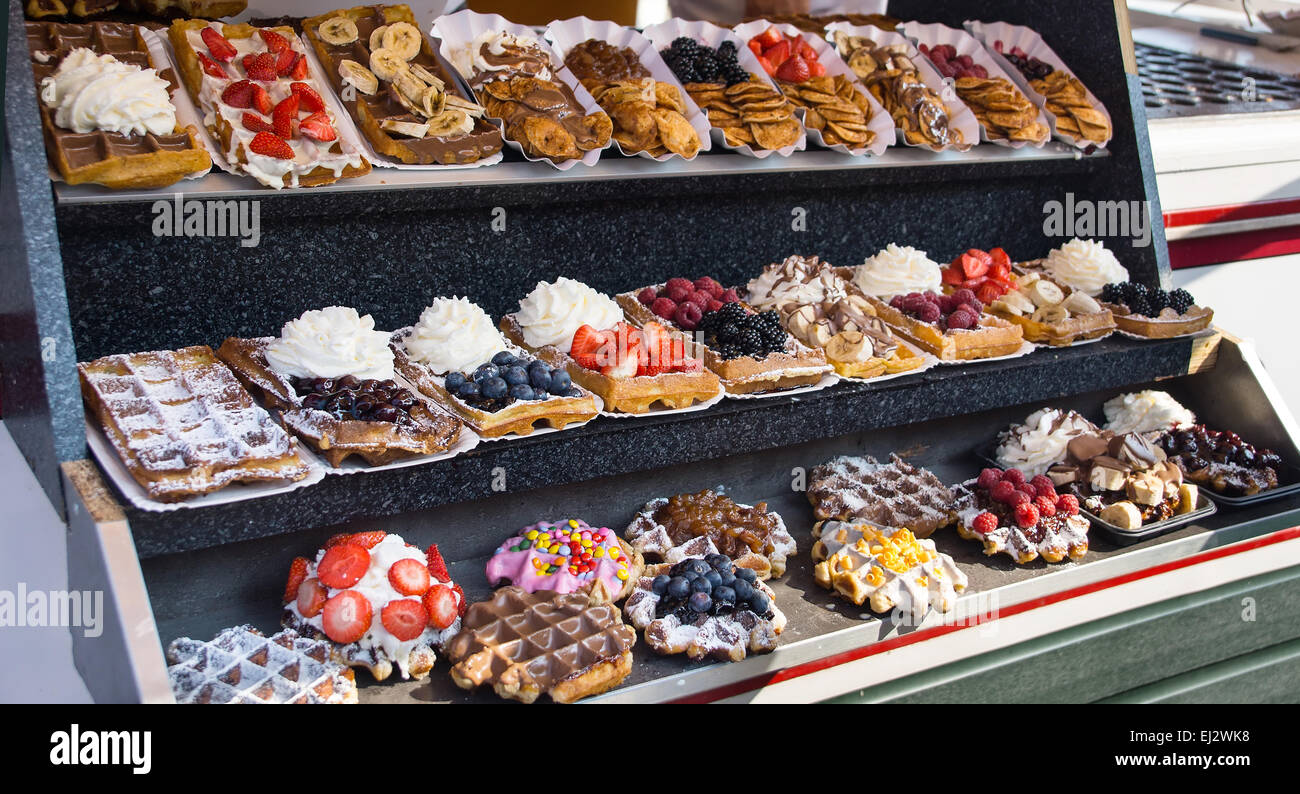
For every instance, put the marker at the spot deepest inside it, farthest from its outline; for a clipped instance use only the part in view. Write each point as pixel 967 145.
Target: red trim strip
pixel 1200 216
pixel 807 668
pixel 1224 248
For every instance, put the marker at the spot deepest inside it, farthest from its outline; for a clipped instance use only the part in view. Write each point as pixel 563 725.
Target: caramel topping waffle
pixel 1053 537
pixel 241 665
pixel 183 425
pixel 391 111
pixel 527 644
pixel 419 431
pixel 894 494
pixel 753 537
pixel 890 75
pixel 112 159
pixel 885 568
pixel 994 337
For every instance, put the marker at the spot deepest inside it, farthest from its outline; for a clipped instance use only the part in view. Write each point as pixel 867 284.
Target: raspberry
pixel 678 282
pixel 962 319
pixel 1018 498
pixel 929 313
pixel 962 296
pixel 1067 504
pixel 1044 486
pixel 913 301
pixel 679 294
pixel 1026 515
pixel 1002 491
pixel 1029 490
pixel 989 478
pixel 688 316
pixel 985 523
pixel 1046 506
pixel 647 296
pixel 664 307
pixel 709 285
pixel 897 302
pixel 729 296
pixel 701 298
pixel 714 305
pixel 1013 476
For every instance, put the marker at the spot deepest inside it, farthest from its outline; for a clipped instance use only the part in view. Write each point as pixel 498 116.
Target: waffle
pixel 314 163
pixel 727 636
pixel 1075 328
pixel 995 336
pixel 422 432
pixel 183 425
pixel 1053 538
pixel 84 9
pixel 885 568
pixel 109 158
pixel 519 417
pixel 241 665
pixel 373 111
pixel 659 530
pixel 1166 326
pixel 566 556
pixel 529 644
pixel 635 395
pixel 798 365
pixel 894 494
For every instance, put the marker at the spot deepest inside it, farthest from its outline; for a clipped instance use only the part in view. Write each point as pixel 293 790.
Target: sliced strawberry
pixel 806 50
pixel 318 126
pixel 794 70
pixel 437 568
pixel 307 97
pixel 973 284
pixel 767 65
pixel 409 577
pixel 768 37
pixel 590 347
pixel 249 61
pixel 755 47
pixel 284 115
pixel 1000 257
pixel 274 41
pixel 297 573
pixel 440 606
pixel 255 123
pixel 816 68
pixel 625 367
pixel 1000 271
pixel 973 266
pixel 346 617
pixel 464 605
pixel 345 564
pixel 261 68
pixel 312 596
pixel 238 94
pixel 952 275
pixel 693 365
pixel 218 45
pixel 655 335
pixel 778 53
pixel 212 67
pixel 261 100
pixel 369 539
pixel 405 618
pixel 335 540
pixel 284 62
pixel 299 70
pixel 989 292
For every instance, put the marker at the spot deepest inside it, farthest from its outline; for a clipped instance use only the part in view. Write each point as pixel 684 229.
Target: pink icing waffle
pixel 565 556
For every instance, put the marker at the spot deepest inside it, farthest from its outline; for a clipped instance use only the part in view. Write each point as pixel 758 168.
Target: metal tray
pixel 1124 537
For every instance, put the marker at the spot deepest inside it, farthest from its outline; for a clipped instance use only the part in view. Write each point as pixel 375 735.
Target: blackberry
pixel 727 47
pixel 732 312
pixel 750 341
pixel 685 44
pixel 1180 300
pixel 1157 299
pixel 729 332
pixel 1111 292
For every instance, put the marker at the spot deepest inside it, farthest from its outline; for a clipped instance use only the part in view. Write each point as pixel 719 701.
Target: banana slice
pixel 1082 303
pixel 1001 304
pixel 1044 293
pixel 433 100
pixel 1123 515
pixel 471 109
pixel 1017 303
pixel 386 64
pixel 377 37
pixel 427 76
pixel 404 39
pixel 408 128
pixel 1051 314
pixel 450 122
pixel 410 87
pixel 414 108
pixel 337 31
pixel 1187 498
pixel 359 77
pixel 1025 279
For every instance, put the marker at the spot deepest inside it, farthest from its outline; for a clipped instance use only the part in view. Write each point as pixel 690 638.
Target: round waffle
pixel 885 568
pixel 753 537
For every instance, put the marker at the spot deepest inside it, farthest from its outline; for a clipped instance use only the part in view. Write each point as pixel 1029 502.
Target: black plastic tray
pixel 1205 506
pixel 1287 473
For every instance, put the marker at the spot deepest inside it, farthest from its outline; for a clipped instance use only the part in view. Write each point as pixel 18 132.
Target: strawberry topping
pixel 284 115
pixel 307 96
pixel 441 606
pixel 297 573
pixel 318 126
pixel 238 94
pixel 405 618
pixel 274 41
pixel 346 616
pixel 212 67
pixel 409 577
pixel 345 564
pixel 218 45
pixel 255 123
pixel 437 568
pixel 311 598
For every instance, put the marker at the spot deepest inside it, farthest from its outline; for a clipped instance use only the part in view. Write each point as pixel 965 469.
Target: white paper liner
pixel 461 28
pixel 343 118
pixel 565 34
pixel 1188 335
pixel 928 362
pixel 829 379
pixel 880 123
pixel 663 34
pixel 936 33
pixel 1028 40
pixel 1025 349
pixel 959 116
pixel 112 465
pixel 658 409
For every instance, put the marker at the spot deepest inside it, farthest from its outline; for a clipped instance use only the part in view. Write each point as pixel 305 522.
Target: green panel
pixel 1116 654
pixel 1268 676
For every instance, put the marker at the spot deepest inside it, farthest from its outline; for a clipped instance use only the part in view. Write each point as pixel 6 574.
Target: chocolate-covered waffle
pixel 885 568
pixel 396 87
pixel 1049 313
pixel 753 537
pixel 106 113
pixel 1222 460
pixel 893 494
pixel 329 377
pixel 183 425
pixel 242 665
pixel 1024 520
pixel 1124 479
pixel 524 645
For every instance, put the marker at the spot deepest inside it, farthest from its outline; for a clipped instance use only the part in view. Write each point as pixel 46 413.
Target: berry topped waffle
pixel 753 537
pixel 1024 520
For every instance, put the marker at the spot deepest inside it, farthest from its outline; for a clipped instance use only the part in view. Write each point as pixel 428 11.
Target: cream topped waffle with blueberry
pixel 1024 520
pixel 565 556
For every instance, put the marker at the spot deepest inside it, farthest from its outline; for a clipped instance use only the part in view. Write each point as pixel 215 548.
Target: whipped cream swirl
pixel 795 282
pixel 501 51
pixel 331 343
pixel 898 270
pixel 1041 441
pixel 1146 411
pixel 553 313
pixel 1085 265
pixel 454 335
pixel 92 92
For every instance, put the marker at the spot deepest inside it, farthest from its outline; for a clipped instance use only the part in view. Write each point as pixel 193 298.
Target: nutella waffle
pixel 885 568
pixel 673 529
pixel 241 665
pixel 396 87
pixel 134 142
pixel 998 510
pixel 894 494
pixel 1050 313
pixel 525 645
pixel 183 425
pixel 345 416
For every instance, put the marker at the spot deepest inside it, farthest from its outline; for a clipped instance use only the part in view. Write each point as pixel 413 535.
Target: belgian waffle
pixel 85 9
pixel 241 665
pixel 528 644
pixel 1166 325
pixel 519 417
pixel 183 425
pixel 314 163
pixel 372 111
pixel 635 395
pixel 109 158
pixel 421 432
pixel 662 529
pixel 1077 327
pixel 994 337
pixel 1053 537
pixel 894 494
pixel 885 568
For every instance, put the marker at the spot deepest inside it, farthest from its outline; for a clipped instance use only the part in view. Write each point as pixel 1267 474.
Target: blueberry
pixel 728 578
pixel 678 588
pixel 718 562
pixel 540 378
pixel 700 602
pixel 759 604
pixel 573 393
pixel 747 574
pixel 724 595
pixel 699 566
pixel 486 371
pixel 539 366
pixel 701 585
pixel 560 382
pixel 454 381
pixel 493 388
pixel 386 413
pixel 521 392
pixel 313 401
pixel 660 584
pixel 504 359
pixel 468 391
pixel 743 590
pixel 714 578
pixel 515 375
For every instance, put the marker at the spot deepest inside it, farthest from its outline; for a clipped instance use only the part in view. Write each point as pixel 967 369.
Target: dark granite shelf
pixel 608 447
